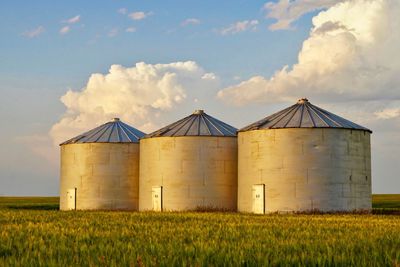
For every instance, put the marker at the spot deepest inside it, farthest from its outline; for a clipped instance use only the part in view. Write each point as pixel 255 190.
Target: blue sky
pixel 35 72
pixel 158 38
pixel 38 68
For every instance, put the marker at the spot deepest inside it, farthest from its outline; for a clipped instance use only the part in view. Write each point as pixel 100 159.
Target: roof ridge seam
pixel 222 124
pixel 291 117
pixel 127 128
pixel 208 119
pixel 285 112
pixel 112 129
pixel 301 115
pixel 318 115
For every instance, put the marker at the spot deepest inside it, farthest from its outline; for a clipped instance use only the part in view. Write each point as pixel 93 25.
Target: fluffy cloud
pixel 240 26
pixel 190 21
pixel 350 54
pixel 34 33
pixel 287 11
pixel 388 113
pixel 139 15
pixel 209 76
pixel 138 95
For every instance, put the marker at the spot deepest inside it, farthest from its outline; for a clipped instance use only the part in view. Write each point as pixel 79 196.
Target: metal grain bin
pixel 304 158
pixel 188 165
pixel 100 169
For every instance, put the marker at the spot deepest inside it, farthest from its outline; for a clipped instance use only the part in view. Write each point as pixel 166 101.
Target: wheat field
pixel 34 233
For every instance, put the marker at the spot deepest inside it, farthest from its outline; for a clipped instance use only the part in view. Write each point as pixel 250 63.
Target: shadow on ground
pixel 33 207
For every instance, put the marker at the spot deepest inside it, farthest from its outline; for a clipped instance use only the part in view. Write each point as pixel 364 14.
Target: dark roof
pixel 114 131
pixel 303 114
pixel 196 124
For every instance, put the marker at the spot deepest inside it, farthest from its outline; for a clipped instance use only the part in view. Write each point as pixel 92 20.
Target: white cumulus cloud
pixel 287 11
pixel 240 26
pixel 209 76
pixel 350 54
pixel 139 95
pixel 388 113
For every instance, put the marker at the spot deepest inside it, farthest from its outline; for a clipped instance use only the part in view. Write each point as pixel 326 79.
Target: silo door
pixel 156 193
pixel 258 199
pixel 71 199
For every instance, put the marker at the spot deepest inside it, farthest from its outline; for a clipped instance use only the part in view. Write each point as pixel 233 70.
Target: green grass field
pixel 34 233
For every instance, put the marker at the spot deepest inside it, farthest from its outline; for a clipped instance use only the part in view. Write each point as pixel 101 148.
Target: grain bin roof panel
pixel 296 119
pixel 129 133
pixel 211 128
pixel 318 120
pixel 194 128
pixel 203 129
pixel 269 121
pixel 303 115
pixel 306 120
pixel 114 131
pixel 222 127
pixel 188 128
pixel 196 124
pixel 95 135
pixel 105 136
pixel 283 121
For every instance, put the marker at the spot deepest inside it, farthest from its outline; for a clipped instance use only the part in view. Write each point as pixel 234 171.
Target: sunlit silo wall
pixel 101 169
pixel 192 162
pixel 306 159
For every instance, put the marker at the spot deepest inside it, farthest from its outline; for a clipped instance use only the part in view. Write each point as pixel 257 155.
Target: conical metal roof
pixel 197 124
pixel 303 114
pixel 114 131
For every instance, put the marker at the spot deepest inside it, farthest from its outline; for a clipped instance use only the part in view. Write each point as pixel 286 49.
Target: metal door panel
pixel 258 192
pixel 71 199
pixel 156 193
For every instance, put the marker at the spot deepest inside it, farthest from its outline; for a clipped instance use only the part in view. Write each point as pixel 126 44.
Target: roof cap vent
pixel 115 119
pixel 302 100
pixel 198 111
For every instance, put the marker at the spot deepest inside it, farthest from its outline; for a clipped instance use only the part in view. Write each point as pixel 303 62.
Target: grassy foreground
pixel 34 233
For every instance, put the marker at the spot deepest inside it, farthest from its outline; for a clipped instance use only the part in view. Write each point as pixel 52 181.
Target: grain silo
pixel 188 165
pixel 100 169
pixel 304 158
